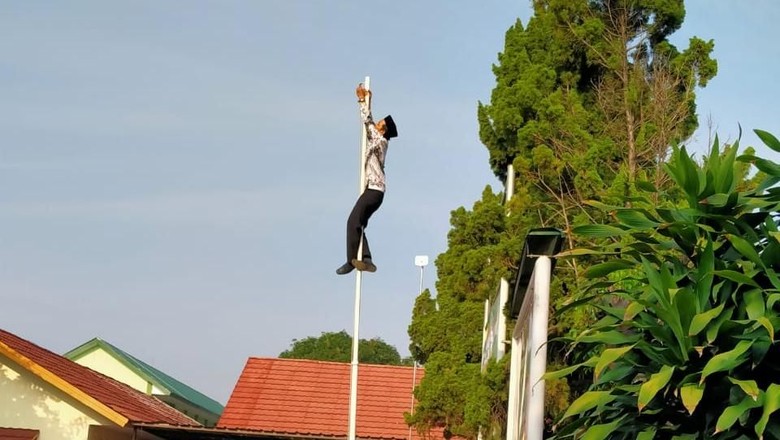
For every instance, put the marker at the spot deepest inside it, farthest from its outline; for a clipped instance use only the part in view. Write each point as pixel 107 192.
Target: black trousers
pixel 366 204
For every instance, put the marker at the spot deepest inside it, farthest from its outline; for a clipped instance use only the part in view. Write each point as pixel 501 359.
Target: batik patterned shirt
pixel 376 150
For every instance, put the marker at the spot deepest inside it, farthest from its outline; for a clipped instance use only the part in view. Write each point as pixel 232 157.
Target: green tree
pixel 337 347
pixel 689 349
pixel 588 98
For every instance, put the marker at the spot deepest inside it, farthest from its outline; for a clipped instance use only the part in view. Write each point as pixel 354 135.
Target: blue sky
pixel 175 177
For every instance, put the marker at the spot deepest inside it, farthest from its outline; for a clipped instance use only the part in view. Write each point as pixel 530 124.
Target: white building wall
pixel 26 401
pixel 103 362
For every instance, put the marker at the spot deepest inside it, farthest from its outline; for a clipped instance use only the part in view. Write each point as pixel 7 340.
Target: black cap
pixel 390 130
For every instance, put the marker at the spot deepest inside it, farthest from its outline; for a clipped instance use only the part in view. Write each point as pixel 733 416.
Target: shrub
pixel 690 308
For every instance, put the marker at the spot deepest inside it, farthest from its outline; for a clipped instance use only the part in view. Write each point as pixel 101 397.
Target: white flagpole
pixel 353 382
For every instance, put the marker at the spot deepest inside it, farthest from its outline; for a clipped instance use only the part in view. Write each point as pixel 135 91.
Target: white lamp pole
pixel 420 261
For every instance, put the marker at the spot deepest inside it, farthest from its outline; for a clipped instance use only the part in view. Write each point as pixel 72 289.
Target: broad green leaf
pixel 589 400
pixel 608 356
pixel 691 395
pixel 685 301
pixel 657 381
pixel 705 277
pixel 635 219
pixel 633 309
pixel 598 231
pixel 716 200
pixel 615 374
pixel 580 252
pixel 767 324
pixel 644 185
pixel 714 328
pixel 600 432
pixel 768 139
pixel 754 303
pixel 772 275
pixel 771 404
pixel 700 321
pixel 610 337
pixel 726 361
pixel 603 269
pixel 772 299
pixel 769 167
pixel 745 248
pixel 750 387
pixel 563 372
pixel 731 414
pixel 767 183
pixel 736 277
pixel 603 206
pixel 647 434
pixel 759 350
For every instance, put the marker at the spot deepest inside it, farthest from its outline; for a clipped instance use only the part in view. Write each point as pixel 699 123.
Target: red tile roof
pixel 88 386
pixel 18 434
pixel 311 398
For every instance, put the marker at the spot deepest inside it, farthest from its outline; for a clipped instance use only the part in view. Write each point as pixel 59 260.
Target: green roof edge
pixel 153 375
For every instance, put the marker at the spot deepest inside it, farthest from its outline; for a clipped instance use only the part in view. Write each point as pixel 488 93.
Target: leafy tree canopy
pixel 337 347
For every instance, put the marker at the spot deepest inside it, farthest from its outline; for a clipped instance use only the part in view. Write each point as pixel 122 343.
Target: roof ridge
pixel 97 391
pixel 156 376
pixel 263 358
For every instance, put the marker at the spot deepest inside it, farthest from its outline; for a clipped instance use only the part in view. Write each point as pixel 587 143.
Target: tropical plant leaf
pixel 771 404
pixel 745 248
pixel 632 309
pixel 714 329
pixel 563 372
pixel 750 387
pixel 603 269
pixel 767 324
pixel 700 321
pixel 732 413
pixel 615 373
pixel 736 277
pixel 609 337
pixel 587 401
pixel 691 395
pixel 647 434
pixel 717 200
pixel 656 383
pixel 754 303
pixel 609 356
pixel 635 219
pixel 704 282
pixel 769 167
pixel 603 206
pixel 726 361
pixel 601 431
pixel 768 139
pixel 579 252
pixel 599 231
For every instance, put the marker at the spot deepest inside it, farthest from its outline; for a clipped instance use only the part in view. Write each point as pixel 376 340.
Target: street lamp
pixel 421 261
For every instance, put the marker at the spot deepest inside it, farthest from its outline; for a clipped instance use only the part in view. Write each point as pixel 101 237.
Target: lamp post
pixel 421 261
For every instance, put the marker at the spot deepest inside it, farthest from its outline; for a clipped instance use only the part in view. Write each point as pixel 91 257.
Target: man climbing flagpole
pixel 371 190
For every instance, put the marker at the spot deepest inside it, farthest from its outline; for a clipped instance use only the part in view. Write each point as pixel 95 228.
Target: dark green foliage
pixel 337 347
pixel 588 98
pixel 690 306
